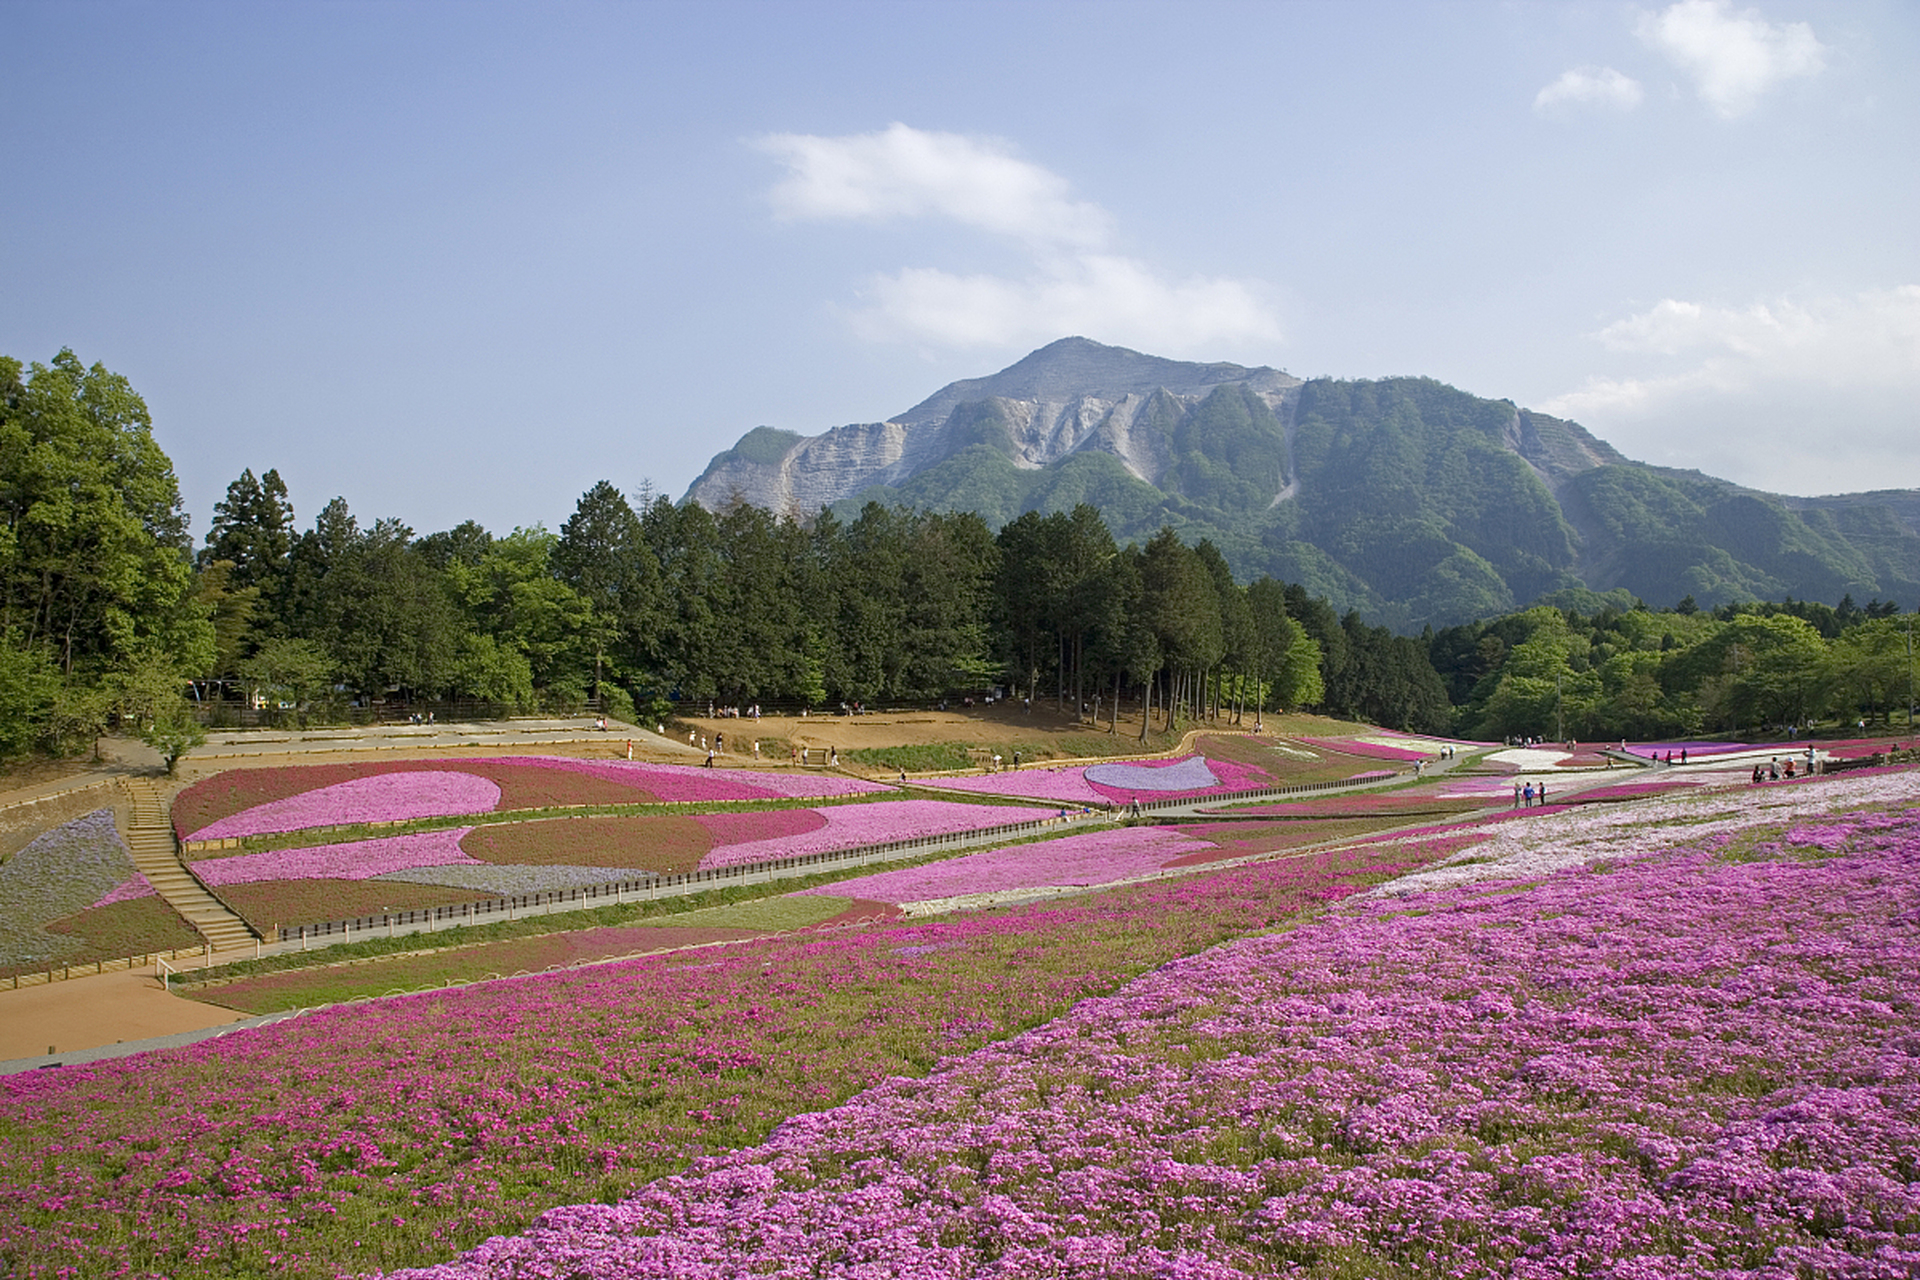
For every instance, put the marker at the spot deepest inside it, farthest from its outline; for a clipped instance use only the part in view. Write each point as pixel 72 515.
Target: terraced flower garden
pixel 56 906
pixel 1458 1083
pixel 1669 1036
pixel 247 802
pixel 1449 1080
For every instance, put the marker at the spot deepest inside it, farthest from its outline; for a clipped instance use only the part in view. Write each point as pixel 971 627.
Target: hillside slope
pixel 1405 498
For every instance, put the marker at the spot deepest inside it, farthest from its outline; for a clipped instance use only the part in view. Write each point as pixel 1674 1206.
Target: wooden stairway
pixel 157 855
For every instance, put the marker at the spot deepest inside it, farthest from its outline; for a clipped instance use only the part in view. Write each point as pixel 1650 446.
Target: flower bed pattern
pixel 212 806
pixel 58 873
pixel 660 843
pixel 268 904
pixel 1063 786
pixel 382 797
pixel 1467 1091
pixel 1117 782
pixel 503 880
pixel 1091 858
pixel 402 1131
pixel 353 860
pixel 848 826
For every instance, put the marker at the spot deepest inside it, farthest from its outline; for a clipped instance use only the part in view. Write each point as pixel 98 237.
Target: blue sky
pixel 458 261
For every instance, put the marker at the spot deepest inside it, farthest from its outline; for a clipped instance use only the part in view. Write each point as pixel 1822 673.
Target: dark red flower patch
pixel 661 843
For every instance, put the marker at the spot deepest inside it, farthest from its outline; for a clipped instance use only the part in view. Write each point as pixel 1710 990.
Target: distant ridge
pixel 1074 367
pixel 1407 499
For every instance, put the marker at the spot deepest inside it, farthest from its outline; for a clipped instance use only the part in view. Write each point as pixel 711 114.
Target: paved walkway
pixel 96 1012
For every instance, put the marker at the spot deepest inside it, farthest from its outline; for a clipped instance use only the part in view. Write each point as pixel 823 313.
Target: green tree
pixel 93 544
pixel 253 531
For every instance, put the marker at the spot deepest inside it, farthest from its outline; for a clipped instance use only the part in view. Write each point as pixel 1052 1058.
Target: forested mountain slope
pixel 1405 498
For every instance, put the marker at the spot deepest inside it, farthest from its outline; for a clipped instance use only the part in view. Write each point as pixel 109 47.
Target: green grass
pixel 339 981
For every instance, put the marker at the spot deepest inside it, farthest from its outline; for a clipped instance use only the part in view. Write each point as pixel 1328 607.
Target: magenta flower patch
pixel 354 860
pixel 848 826
pixel 1067 786
pixel 382 797
pixel 1681 1067
pixel 1091 858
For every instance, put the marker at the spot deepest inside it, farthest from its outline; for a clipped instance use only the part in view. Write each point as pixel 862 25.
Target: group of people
pixel 1771 771
pixel 804 756
pixel 1526 795
pixel 733 713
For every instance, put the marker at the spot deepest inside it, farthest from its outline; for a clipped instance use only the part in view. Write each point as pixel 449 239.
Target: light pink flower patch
pixel 1116 781
pixel 692 782
pixel 127 890
pixel 354 860
pixel 382 797
pixel 849 826
pixel 1091 858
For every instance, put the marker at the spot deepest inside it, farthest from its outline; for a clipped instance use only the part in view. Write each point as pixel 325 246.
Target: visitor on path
pixel 709 763
pixel 756 748
pixel 1516 795
pixel 1683 755
pixel 629 748
pixel 720 742
pixel 1528 793
pixel 1542 797
pixel 833 757
pixel 1773 769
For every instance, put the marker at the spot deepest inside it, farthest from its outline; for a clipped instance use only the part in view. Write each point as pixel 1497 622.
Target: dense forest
pixel 112 615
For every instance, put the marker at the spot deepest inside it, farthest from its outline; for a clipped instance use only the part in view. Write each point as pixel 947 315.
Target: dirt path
pixel 85 1013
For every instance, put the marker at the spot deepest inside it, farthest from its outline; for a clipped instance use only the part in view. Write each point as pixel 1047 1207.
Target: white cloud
pixel 1117 298
pixel 1796 396
pixel 907 172
pixel 1733 57
pixel 1869 340
pixel 1589 86
pixel 1075 282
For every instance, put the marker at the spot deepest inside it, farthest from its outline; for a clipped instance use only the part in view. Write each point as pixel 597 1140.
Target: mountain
pixel 1407 499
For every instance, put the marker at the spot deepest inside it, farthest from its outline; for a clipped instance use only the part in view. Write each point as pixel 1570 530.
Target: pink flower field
pixel 354 860
pixel 848 826
pixel 1681 1067
pixel 407 1130
pixel 1091 858
pixel 383 797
